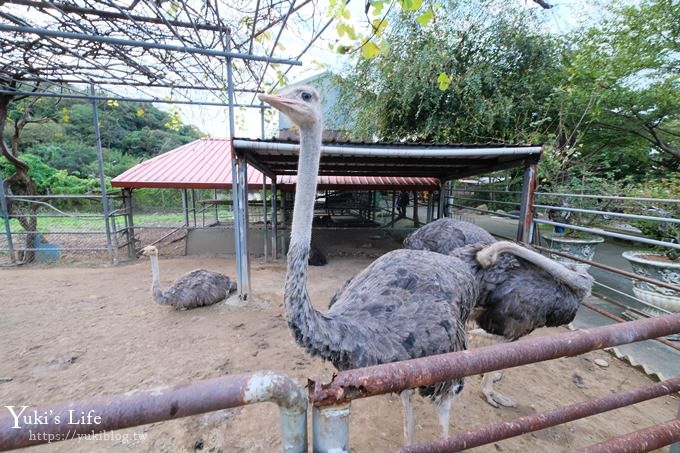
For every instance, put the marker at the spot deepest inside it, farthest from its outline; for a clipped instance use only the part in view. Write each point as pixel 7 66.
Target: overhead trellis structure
pixel 209 53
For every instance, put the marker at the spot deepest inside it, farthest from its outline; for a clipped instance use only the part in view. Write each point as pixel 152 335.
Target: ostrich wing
pixel 441 236
pixel 445 235
pixel 198 288
pixel 518 297
pixel 406 304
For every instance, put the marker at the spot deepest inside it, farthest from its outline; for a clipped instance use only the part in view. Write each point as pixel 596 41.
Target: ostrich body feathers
pixel 197 288
pixel 516 296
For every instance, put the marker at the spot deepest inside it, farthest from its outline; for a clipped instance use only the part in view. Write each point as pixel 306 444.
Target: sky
pixel 565 16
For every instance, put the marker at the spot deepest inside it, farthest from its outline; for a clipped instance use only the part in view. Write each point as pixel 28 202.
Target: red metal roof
pixel 201 164
pixel 206 164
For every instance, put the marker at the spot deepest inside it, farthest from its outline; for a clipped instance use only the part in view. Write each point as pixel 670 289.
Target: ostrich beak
pixel 285 105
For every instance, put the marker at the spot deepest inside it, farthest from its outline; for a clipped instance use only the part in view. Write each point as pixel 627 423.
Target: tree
pixel 469 76
pixel 624 84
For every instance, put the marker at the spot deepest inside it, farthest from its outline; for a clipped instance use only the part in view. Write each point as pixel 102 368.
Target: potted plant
pixel 573 241
pixel 661 263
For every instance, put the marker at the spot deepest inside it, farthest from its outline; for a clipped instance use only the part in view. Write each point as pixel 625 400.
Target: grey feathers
pixel 445 235
pixel 516 296
pixel 198 288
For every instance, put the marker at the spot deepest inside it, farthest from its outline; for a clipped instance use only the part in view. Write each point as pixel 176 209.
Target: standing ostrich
pixel 195 289
pixel 516 296
pixel 406 304
pixel 445 235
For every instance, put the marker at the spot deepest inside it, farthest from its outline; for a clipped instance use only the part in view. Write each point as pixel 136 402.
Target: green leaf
pixel 411 5
pixel 443 81
pixel 379 26
pixel 369 50
pixel 426 17
pixel 377 7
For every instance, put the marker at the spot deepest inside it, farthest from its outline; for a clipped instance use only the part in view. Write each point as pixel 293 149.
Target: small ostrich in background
pixel 197 288
pixel 516 296
pixel 406 304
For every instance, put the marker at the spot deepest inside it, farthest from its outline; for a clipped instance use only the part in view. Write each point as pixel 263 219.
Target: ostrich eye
pixel 306 96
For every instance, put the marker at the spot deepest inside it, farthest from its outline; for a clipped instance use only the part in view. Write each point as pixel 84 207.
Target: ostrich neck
pixel 156 280
pixel 302 317
pixel 305 195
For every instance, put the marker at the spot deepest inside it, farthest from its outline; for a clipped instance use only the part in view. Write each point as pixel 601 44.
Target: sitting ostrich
pixel 516 296
pixel 406 304
pixel 197 288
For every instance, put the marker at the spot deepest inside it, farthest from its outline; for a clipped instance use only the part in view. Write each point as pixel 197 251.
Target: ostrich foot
pixel 409 419
pixel 497 399
pixel 492 396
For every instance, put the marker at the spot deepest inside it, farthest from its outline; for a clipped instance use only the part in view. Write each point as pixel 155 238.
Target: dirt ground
pixel 75 332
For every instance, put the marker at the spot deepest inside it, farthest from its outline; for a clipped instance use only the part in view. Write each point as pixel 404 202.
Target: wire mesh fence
pixel 51 227
pixel 630 234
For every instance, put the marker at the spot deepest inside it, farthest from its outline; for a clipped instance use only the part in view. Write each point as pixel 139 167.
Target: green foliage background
pixel 61 150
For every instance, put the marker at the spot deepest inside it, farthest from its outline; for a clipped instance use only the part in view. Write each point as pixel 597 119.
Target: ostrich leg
pixel 409 419
pixel 481 338
pixel 444 413
pixel 492 396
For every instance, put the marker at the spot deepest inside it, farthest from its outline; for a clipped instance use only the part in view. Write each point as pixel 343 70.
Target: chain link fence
pixel 51 227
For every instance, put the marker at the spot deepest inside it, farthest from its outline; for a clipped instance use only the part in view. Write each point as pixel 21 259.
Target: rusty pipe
pixel 645 440
pixel 394 377
pixel 614 270
pixel 140 408
pixel 661 340
pixel 523 425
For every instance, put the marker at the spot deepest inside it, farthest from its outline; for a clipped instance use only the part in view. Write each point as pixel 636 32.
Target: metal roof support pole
pixel 416 222
pixel 441 210
pixel 185 208
pixel 430 203
pixel 100 164
pixel 265 231
pixel 242 238
pixel 275 233
pixel 130 226
pixel 527 210
pixel 239 192
pixel 330 428
pixel 217 215
pixel 394 205
pixel 5 218
pixel 193 205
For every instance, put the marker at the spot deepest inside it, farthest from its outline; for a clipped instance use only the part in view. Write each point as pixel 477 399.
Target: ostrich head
pixel 150 250
pixel 299 103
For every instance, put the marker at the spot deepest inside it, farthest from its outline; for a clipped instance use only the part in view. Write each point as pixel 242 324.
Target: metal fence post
pixel 127 200
pixel 264 218
pixel 675 448
pixel 102 181
pixel 5 218
pixel 330 427
pixel 275 232
pixel 526 213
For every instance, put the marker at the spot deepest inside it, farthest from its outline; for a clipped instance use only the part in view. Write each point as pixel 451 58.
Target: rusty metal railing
pixel 395 377
pixel 645 440
pixel 531 423
pixel 140 408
